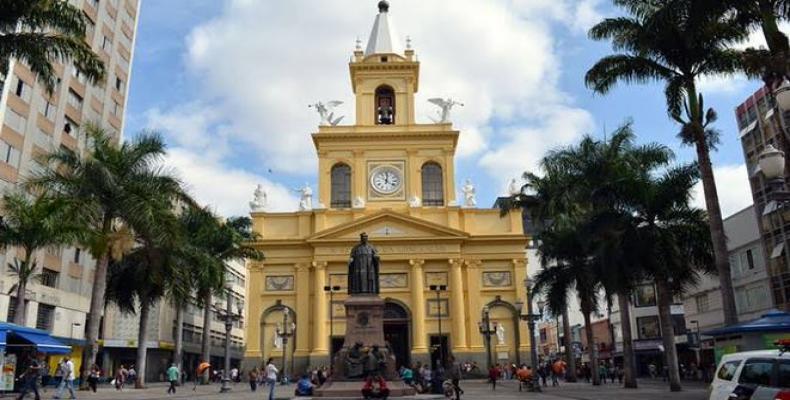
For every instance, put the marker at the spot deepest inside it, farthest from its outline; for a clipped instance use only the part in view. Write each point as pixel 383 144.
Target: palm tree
pixel 677 42
pixel 218 243
pixel 40 32
pixel 118 188
pixel 32 223
pixel 667 242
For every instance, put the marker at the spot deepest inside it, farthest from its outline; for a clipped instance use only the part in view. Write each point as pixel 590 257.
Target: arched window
pixel 385 105
pixel 432 185
pixel 341 186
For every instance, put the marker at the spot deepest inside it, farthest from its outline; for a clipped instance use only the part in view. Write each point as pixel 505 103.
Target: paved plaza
pixel 474 389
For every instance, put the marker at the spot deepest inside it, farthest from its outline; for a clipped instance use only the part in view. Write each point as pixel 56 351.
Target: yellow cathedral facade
pixel 394 179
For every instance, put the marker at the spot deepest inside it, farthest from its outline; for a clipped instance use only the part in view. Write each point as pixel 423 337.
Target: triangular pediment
pixel 388 225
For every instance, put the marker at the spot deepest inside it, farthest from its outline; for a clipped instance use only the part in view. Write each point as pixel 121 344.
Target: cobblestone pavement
pixel 474 389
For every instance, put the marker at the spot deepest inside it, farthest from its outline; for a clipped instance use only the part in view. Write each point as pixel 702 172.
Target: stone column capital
pixel 456 262
pixel 319 265
pixel 519 262
pixel 302 267
pixel 416 263
pixel 474 264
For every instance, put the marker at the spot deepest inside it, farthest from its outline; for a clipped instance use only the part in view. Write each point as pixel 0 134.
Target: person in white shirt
pixel 66 369
pixel 271 377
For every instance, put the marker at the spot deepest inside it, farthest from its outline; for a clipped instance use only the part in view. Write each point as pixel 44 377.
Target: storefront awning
pixel 44 343
pixel 38 338
pixel 773 321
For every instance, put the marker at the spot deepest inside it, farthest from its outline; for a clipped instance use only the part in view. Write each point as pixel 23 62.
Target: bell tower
pixel 384 77
pixel 386 160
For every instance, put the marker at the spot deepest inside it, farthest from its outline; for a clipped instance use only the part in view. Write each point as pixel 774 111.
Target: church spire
pixel 382 38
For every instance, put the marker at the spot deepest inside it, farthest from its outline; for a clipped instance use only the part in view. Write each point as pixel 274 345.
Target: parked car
pixel 753 375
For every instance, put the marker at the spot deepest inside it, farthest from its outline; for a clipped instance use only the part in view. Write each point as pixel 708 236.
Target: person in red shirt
pixel 369 390
pixel 493 374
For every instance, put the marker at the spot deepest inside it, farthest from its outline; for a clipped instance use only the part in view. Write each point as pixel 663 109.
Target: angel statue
pixel 306 200
pixel 326 113
pixel 259 200
pixel 469 194
pixel 513 188
pixel 445 106
pixel 500 334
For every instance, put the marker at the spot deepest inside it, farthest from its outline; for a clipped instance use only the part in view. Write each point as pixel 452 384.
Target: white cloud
pixel 226 190
pixel 732 183
pixel 256 79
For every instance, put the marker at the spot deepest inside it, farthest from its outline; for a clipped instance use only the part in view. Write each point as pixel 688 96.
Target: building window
pixel 12 308
pixel 385 106
pixel 750 259
pixel 70 127
pixel 48 110
pixel 75 100
pixel 648 327
pixel 703 304
pixel 341 186
pixel 116 109
pixel 645 296
pixel 77 252
pixel 15 121
pixel 44 317
pixel 106 44
pixel 79 76
pixel 49 277
pixel 119 84
pixel 432 185
pixel 9 154
pixel 23 90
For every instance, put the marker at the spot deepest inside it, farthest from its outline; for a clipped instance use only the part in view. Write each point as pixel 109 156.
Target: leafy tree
pixel 120 189
pixel 32 222
pixel 41 32
pixel 677 42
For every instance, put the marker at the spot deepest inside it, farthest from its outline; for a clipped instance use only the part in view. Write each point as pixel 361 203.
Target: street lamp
pixel 284 332
pixel 331 290
pixel 228 317
pixel 698 340
pixel 531 317
pixel 487 330
pixel 439 289
pixel 782 96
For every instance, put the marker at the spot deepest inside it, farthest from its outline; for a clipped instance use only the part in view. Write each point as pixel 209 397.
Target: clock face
pixel 386 180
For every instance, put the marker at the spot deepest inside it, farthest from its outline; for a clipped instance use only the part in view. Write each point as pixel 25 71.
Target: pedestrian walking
pixel 200 371
pixel 493 375
pixel 66 367
pixel 271 377
pixel 455 377
pixel 253 377
pixel 29 378
pixel 173 376
pixel 93 377
pixel 120 377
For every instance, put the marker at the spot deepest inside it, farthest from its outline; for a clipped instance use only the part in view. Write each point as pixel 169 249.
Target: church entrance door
pixel 396 332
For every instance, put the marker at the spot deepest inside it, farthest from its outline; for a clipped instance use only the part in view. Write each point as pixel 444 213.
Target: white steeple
pixel 383 39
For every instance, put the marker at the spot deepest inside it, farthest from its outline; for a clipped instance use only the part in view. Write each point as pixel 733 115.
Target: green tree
pixel 32 223
pixel 677 42
pixel 41 32
pixel 119 189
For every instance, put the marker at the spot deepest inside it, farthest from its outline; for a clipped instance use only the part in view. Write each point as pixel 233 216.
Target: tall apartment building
pixel 34 123
pixel 758 122
pixel 121 330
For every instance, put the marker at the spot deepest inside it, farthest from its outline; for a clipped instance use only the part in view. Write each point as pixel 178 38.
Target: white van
pixel 752 375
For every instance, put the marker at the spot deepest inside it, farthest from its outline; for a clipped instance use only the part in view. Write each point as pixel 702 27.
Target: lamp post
pixel 284 332
pixel 531 317
pixel 228 317
pixel 438 289
pixel 331 290
pixel 487 330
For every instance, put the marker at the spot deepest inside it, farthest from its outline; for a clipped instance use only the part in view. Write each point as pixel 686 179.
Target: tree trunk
pixel 668 334
pixel 20 316
pixel 596 380
pixel 142 348
pixel 206 342
pixel 97 306
pixel 178 352
pixel 566 331
pixel 713 208
pixel 629 360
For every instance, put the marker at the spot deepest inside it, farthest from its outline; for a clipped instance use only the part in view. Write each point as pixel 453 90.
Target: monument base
pixel 364 337
pixel 353 390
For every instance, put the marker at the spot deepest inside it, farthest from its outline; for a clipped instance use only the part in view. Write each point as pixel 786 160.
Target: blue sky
pixel 228 83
